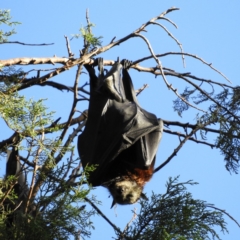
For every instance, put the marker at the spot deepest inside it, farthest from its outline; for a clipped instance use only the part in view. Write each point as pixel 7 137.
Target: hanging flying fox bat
pixel 14 168
pixel 120 137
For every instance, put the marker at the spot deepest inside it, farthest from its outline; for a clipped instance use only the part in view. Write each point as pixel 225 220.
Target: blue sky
pixel 209 29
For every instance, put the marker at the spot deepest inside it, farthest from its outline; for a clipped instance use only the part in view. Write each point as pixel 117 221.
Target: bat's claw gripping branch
pixel 126 63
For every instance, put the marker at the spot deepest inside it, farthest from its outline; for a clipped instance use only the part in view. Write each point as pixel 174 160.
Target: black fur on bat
pixel 120 137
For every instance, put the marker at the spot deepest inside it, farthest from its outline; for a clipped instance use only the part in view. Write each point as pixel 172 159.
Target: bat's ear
pixel 113 203
pixel 143 196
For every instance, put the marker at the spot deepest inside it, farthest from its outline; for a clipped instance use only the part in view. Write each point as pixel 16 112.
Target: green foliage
pixel 21 115
pixel 57 211
pixel 176 215
pixel 5 18
pixel 223 114
pixel 228 140
pixel 90 41
pixel 226 115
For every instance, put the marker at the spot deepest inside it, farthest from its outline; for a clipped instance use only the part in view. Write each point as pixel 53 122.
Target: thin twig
pixel 189 125
pixel 29 198
pixel 7 193
pixel 191 138
pixel 103 215
pixel 167 19
pixel 131 220
pixel 45 168
pixel 176 150
pixel 221 210
pixel 73 104
pixel 170 34
pixel 163 76
pixel 70 54
pixel 141 89
pixel 27 44
pixel 186 54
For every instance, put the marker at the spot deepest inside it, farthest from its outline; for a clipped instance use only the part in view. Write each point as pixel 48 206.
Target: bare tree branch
pixel 27 44
pixel 176 150
pixel 163 76
pixel 70 54
pixel 186 54
pixel 34 61
pixel 102 215
pixel 141 89
pixel 191 138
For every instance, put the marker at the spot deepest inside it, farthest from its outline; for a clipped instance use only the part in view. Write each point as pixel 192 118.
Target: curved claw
pixel 126 63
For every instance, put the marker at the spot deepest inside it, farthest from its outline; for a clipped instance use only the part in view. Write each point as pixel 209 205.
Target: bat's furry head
pixel 128 188
pixel 125 192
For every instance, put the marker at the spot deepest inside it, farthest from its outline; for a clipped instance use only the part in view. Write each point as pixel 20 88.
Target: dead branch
pixel 34 61
pixel 163 76
pixel 74 104
pixel 170 35
pixel 62 87
pixel 168 20
pixel 176 150
pixel 191 138
pixel 182 142
pixel 188 125
pixel 141 89
pixel 182 53
pixel 27 44
pixel 70 54
pixel 85 59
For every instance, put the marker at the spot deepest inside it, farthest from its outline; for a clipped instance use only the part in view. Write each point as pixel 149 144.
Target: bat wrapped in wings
pixel 120 137
pixel 15 168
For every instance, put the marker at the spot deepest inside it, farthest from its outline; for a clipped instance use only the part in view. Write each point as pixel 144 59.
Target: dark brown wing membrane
pixel 117 129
